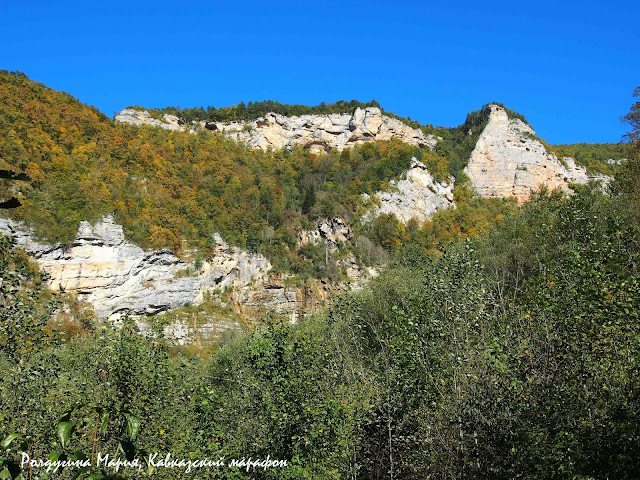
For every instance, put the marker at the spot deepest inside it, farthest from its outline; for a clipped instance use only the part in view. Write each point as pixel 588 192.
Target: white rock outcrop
pixel 509 161
pixel 418 195
pixel 143 117
pixel 321 132
pixel 333 230
pixel 117 276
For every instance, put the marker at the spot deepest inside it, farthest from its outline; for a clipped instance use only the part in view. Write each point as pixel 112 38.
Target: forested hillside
pixel 597 157
pixel 175 190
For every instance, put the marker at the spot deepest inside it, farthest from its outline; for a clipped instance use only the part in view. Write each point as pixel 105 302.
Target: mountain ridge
pixel 171 189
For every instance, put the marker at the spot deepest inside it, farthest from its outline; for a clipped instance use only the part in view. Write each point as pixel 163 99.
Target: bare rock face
pixel 275 294
pixel 116 275
pixel 508 161
pixel 333 230
pixel 323 132
pixel 417 196
pixel 319 133
pixel 142 117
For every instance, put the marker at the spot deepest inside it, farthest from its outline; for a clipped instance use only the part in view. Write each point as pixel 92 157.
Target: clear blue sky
pixel 569 67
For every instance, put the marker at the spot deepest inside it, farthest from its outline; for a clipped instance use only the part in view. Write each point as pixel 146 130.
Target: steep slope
pixel 509 160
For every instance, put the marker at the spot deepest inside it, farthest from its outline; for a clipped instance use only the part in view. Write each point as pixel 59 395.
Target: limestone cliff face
pixel 319 133
pixel 116 275
pixel 418 195
pixel 142 117
pixel 322 132
pixel 509 161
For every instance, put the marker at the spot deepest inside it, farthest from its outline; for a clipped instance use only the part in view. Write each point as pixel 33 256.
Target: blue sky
pixel 569 67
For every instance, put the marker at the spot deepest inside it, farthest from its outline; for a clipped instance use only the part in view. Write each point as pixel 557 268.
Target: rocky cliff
pixel 142 117
pixel 319 133
pixel 322 132
pixel 103 268
pixel 114 275
pixel 332 230
pixel 509 160
pixel 418 195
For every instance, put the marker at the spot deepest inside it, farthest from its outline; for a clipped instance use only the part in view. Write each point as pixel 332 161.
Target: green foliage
pixel 25 303
pixel 512 356
pixel 509 355
pixel 253 110
pixel 594 156
pixel 437 165
pixel 458 143
pixel 472 216
pixel 98 393
pixel 627 179
pixel 388 231
pixel 633 120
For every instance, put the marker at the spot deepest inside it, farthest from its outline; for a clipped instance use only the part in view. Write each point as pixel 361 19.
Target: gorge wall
pixel 117 276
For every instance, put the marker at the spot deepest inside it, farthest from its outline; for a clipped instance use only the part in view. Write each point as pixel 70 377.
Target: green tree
pixel 309 199
pixel 388 231
pixel 627 181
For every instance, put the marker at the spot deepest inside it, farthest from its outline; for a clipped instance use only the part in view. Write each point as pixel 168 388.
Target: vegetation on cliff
pixel 175 190
pixel 596 157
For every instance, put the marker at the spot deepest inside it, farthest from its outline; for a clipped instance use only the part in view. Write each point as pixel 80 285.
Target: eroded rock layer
pixel 322 132
pixel 117 276
pixel 114 275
